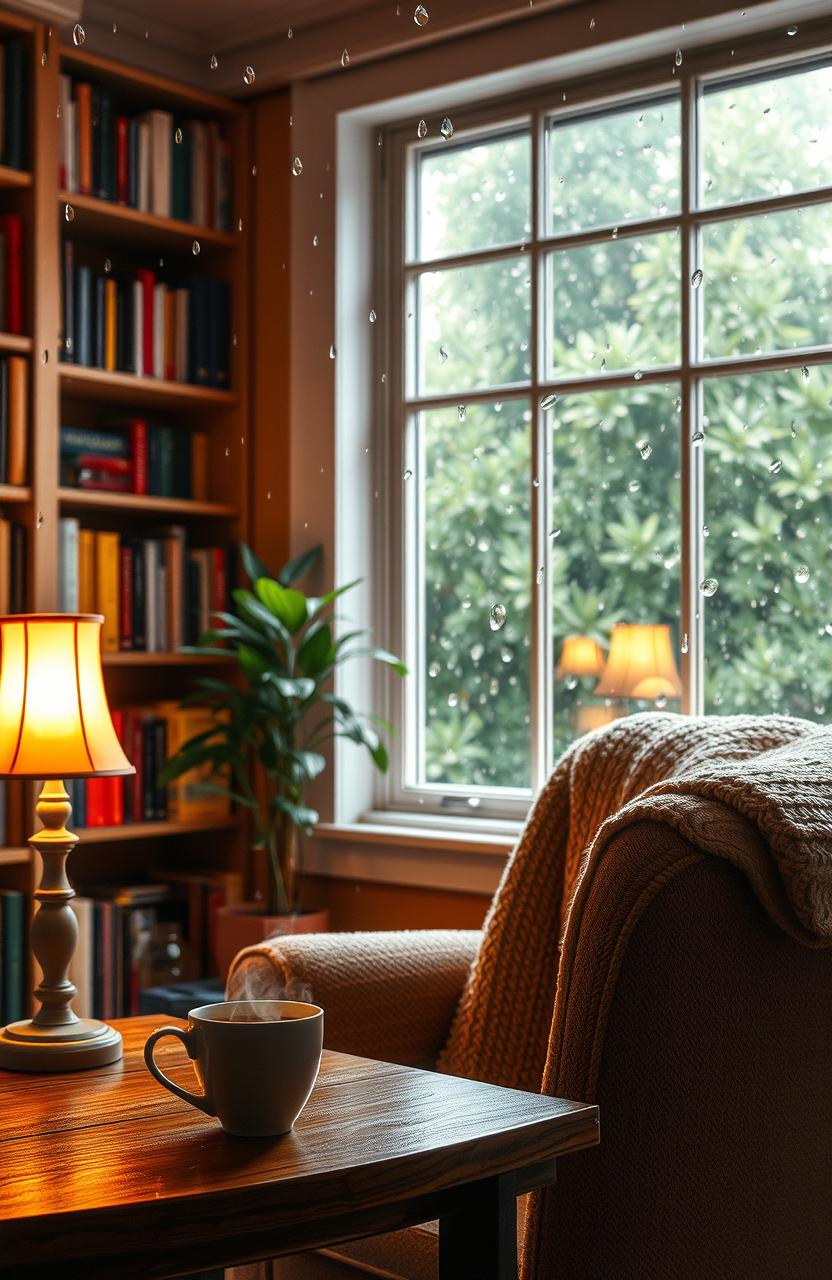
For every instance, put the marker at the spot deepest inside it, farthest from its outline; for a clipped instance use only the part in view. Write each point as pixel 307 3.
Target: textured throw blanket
pixel 756 790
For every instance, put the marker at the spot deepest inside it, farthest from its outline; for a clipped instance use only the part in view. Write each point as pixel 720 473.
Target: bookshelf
pixel 68 394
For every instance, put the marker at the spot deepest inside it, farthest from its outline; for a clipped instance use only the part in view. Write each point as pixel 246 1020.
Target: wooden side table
pixel 104 1173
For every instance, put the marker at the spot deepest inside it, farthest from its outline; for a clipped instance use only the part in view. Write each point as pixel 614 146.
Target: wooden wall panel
pixel 361 904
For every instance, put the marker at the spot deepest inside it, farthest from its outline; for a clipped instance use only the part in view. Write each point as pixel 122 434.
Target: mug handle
pixel 196 1099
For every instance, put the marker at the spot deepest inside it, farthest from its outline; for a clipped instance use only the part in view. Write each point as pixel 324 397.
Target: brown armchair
pixel 701 1026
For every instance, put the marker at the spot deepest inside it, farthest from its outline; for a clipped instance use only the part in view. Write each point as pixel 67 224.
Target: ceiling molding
pixel 59 12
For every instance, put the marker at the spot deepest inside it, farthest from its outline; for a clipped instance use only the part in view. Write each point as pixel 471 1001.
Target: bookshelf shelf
pixel 134 658
pixel 15 857
pixel 15 342
pixel 152 830
pixel 182 508
pixel 144 84
pixel 126 388
pixel 11 178
pixel 95 218
pixel 14 493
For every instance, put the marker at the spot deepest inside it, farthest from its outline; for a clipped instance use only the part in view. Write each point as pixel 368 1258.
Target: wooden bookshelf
pixel 65 393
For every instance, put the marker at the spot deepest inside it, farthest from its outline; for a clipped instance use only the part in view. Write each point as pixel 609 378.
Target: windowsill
pixel 446 854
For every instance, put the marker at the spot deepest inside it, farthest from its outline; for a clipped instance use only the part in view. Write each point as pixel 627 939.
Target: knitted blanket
pixel 754 790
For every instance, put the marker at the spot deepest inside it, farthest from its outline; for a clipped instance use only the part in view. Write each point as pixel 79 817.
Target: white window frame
pixel 396 269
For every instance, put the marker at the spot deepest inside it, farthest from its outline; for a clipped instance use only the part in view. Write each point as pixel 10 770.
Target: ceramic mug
pixel 257 1062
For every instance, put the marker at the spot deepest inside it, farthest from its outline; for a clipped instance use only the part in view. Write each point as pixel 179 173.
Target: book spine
pixel 199 466
pixel 83 107
pixel 148 281
pixel 107 588
pixel 133 164
pixel 122 159
pixel 138 453
pixel 170 335
pixel 110 324
pixel 4 419
pixel 83 317
pixel 151 569
pixel 86 571
pixel 68 593
pixel 144 145
pixel 182 349
pixel 138 327
pixel 125 597
pixel 99 323
pixel 18 418
pixel 17 585
pixel 64 100
pixel 139 598
pixel 136 755
pixel 68 346
pixel 166 462
pixel 159 292
pixel 160 731
pixel 107 147
pixel 95 143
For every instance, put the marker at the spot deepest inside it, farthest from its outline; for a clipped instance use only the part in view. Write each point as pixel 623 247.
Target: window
pixel 612 441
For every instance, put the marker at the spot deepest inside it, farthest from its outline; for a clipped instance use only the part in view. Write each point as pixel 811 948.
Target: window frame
pixel 652 80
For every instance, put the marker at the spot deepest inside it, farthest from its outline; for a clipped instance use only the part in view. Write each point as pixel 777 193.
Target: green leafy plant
pixel 271 722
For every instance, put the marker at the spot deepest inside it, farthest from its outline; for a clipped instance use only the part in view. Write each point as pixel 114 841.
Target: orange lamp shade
pixel 54 717
pixel 640 663
pixel 580 656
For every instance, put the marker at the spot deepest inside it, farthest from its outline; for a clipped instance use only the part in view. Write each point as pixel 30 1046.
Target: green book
pixel 11 907
pixel 181 175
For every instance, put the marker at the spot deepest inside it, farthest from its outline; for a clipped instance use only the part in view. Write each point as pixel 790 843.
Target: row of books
pixel 11 272
pixel 151 162
pixel 156 593
pixel 14 99
pixel 14 419
pixel 12 567
pixel 136 456
pixel 112 964
pixel 135 323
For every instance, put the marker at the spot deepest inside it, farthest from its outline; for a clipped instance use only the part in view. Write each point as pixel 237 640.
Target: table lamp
pixel 55 724
pixel 640 663
pixel 580 656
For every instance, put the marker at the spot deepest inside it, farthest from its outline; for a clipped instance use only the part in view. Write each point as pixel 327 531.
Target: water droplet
pixel 592 24
pixel 634 486
pixel 793 430
pixel 177 137
pixel 268 495
pixel 421 16
pixel 108 266
pixel 805 373
pixel 239 224
pixel 638 375
pixel 297 166
pixel 697 277
pixel 79 35
pixel 775 466
pixel 254 171
pixel 554 533
pixel 614 233
pixel 443 355
pixel 697 439
pixel 433 670
pixel 603 364
pixel 421 129
pixel 227 451
pixel 213 64
pixel 709 587
pixel 497 617
pixel 69 213
pixel 541 573
pixel 43 59
pixel 660 702
pixel 314 242
pixel 332 352
pixel 461 412
pixel 345 58
pixel 406 474
pixel 801 573
pixel 373 316
pixel 44 356
pixel 706 533
pixel 290 34
pixel 477 650
pixel 548 402
pixel 678 58
pixel 248 75
pixel 40 516
pixel 195 248
pixel 685 645
pixel 792 31
pixel 446 128
pixel 645 449
pixel 453 699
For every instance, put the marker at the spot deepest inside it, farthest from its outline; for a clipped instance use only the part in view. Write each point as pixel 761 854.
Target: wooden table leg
pixel 480 1241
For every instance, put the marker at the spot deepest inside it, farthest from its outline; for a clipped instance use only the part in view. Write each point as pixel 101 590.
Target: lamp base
pixel 24 1046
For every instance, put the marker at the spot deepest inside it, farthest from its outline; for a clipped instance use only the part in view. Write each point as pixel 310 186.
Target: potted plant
pixel 269 724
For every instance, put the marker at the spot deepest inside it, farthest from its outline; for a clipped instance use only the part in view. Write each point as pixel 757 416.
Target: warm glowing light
pixel 54 718
pixel 640 664
pixel 580 656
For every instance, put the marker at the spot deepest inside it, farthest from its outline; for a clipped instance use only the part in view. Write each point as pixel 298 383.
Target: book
pixel 83 317
pixel 15 130
pixel 11 227
pixel 69 530
pixel 86 571
pixel 83 106
pixel 17 418
pixel 107 588
pixel 12 911
pixel 68 301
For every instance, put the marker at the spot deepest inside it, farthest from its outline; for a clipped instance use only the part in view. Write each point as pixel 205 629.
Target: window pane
pixel 476 554
pixel 762 289
pixel 472 326
pixel 768 501
pixel 473 196
pixel 615 167
pixel 615 548
pixel 614 306
pixel 767 137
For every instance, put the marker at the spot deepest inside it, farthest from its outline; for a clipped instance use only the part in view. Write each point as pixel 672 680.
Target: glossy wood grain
pixel 109 1174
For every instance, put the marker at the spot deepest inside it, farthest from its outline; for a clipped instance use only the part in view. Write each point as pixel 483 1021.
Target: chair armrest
pixel 390 996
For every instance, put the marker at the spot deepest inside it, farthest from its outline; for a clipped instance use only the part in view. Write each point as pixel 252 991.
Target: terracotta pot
pixel 244 924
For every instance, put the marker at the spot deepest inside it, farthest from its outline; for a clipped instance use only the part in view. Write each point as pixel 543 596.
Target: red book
pixel 138 453
pixel 114 787
pixel 219 586
pixel 122 161
pixel 97 802
pixel 147 280
pixel 102 462
pixel 126 599
pixel 11 225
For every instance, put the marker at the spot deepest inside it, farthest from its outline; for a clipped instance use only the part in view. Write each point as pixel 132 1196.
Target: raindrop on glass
pixel 332 352
pixel 697 277
pixel 195 248
pixel 805 373
pixel 254 171
pixel 40 516
pixel 43 59
pixel 115 29
pixel 44 356
pixel 446 128
pixel 645 449
pixel 407 474
pixel 373 316
pixel 421 129
pixel 592 24
pixel 774 466
pixel 634 486
pixel 792 31
pixel 638 375
pixel 290 34
pixel 554 533
pixel 108 266
pixel 443 355
pixel 685 645
pixel 420 16
pixel 248 75
pixel 433 670
pixel 297 166
pixel 461 412
pixel 678 58
pixel 497 617
pixel 697 439
pixel 548 402
pixel 541 573
pixel 213 64
pixel 177 137
pixel 706 533
pixel 79 35
pixel 345 58
pixel 69 213
pixel 314 242
pixel 801 573
pixel 239 224
pixel 709 587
